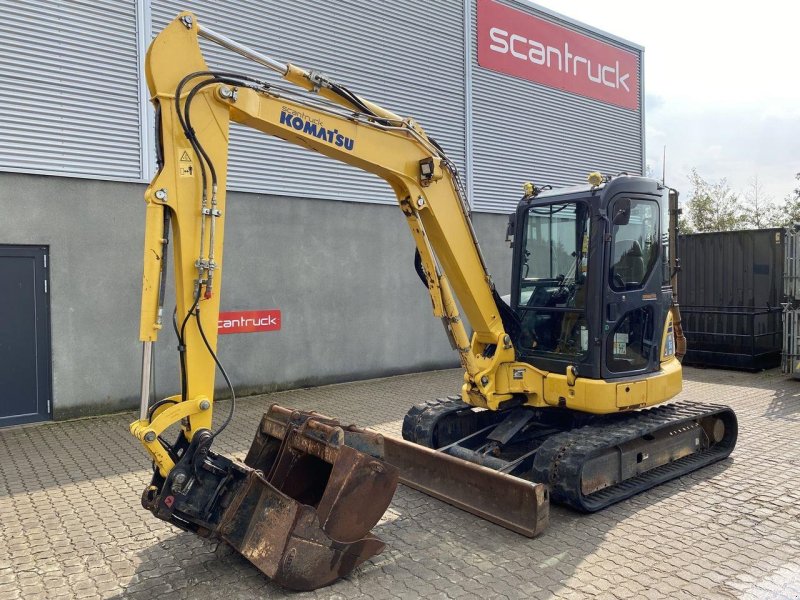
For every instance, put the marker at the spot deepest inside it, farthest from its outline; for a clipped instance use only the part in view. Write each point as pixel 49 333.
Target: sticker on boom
pixel 313 127
pixel 185 167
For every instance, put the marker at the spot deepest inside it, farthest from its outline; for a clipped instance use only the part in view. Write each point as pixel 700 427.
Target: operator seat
pixel 629 263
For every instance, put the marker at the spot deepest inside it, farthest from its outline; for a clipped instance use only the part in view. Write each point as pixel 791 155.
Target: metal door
pixel 636 302
pixel 25 388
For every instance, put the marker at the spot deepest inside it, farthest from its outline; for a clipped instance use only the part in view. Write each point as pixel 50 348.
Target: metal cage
pixel 790 357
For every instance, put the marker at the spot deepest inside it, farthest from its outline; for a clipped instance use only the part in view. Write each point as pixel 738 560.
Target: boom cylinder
pixel 147 361
pixel 241 49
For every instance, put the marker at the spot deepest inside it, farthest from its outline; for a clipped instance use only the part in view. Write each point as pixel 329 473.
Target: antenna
pixel 664 167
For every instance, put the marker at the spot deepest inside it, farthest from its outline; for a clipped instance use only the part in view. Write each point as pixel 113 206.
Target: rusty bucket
pixel 305 513
pixel 300 508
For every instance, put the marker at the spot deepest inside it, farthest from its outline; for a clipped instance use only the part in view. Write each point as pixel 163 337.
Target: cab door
pixel 635 305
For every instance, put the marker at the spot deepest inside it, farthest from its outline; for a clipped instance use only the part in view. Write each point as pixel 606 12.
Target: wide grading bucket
pixel 303 503
pixel 516 504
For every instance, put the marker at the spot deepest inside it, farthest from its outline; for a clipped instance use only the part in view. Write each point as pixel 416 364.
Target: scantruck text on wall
pixel 516 43
pixel 249 321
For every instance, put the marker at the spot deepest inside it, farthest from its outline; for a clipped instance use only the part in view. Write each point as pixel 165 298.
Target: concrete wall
pixel 341 273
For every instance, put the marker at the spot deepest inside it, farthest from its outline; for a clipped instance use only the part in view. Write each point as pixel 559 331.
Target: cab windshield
pixel 552 294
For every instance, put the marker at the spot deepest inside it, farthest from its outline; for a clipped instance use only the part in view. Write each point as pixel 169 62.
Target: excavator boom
pixel 302 504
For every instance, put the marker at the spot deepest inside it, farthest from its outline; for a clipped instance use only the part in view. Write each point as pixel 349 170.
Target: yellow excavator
pixel 558 380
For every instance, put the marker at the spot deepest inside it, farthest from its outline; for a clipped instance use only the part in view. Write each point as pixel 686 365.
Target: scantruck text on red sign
pixel 249 321
pixel 516 43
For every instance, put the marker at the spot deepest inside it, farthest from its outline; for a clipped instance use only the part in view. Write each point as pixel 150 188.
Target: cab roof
pixel 620 183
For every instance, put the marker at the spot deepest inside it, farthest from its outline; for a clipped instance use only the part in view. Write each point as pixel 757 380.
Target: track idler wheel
pixel 440 422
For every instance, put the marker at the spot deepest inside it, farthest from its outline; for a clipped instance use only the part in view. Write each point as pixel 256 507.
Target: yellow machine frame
pixel 396 149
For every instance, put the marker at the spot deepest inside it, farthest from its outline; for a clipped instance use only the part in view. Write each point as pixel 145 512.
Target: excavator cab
pixel 591 284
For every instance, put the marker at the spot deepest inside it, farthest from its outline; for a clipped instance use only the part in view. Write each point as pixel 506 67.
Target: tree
pixel 684 225
pixel 761 211
pixel 713 206
pixel 789 212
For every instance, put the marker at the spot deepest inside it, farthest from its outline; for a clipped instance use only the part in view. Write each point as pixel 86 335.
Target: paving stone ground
pixel 71 525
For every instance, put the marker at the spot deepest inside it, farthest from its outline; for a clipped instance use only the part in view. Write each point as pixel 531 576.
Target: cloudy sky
pixel 722 85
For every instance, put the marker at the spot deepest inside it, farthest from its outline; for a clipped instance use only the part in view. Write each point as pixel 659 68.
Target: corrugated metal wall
pixel 524 131
pixel 730 290
pixel 415 66
pixel 69 88
pixel 80 60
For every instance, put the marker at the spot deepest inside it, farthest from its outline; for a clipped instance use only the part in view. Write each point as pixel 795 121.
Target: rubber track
pixel 559 462
pixel 419 424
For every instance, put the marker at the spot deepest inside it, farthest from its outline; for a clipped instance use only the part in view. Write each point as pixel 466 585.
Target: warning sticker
pixel 620 344
pixel 185 166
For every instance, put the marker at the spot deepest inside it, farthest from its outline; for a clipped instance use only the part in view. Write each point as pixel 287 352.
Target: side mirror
pixel 621 212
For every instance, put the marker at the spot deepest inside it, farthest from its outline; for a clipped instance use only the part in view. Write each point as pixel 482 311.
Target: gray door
pixel 24 335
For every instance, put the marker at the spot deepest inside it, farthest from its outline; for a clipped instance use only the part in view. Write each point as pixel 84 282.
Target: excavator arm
pixel 303 533
pixel 195 107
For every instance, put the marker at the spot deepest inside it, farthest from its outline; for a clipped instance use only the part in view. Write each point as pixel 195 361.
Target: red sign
pixel 516 43
pixel 249 321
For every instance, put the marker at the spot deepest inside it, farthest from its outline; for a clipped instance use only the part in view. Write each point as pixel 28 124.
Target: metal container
pixel 791 310
pixel 790 362
pixel 730 289
pixel 791 270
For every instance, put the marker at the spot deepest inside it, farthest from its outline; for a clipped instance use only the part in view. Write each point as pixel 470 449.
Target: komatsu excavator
pixel 557 382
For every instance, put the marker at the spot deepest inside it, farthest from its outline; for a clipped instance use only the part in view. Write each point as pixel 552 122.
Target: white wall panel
pixel 525 131
pixel 406 56
pixel 69 88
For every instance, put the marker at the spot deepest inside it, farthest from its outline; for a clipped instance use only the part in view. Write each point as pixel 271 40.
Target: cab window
pixel 552 290
pixel 635 242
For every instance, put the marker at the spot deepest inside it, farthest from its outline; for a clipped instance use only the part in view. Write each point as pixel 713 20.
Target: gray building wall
pixel 341 273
